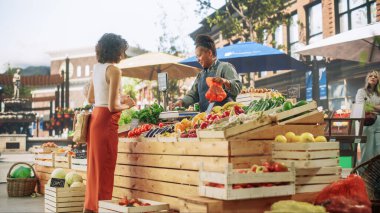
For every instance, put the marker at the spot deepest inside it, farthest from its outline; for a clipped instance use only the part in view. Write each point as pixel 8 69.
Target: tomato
pixel 160 125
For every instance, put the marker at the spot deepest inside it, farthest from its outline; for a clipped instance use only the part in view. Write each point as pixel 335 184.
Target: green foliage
pixel 25 92
pixel 247 19
pixel 129 88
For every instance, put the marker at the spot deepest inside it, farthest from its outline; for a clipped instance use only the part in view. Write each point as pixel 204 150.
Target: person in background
pixel 222 72
pixel 370 94
pixel 105 93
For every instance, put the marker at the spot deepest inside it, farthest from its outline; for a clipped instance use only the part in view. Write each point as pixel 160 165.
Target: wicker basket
pixel 20 187
pixel 370 172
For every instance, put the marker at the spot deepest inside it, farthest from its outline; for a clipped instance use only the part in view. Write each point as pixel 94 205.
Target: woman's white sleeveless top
pixel 101 87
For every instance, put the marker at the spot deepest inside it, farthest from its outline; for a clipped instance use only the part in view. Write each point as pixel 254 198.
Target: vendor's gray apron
pixel 203 87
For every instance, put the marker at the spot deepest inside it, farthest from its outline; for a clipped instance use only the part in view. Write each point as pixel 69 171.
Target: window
pixel 314 22
pixel 293 36
pixel 355 13
pixel 279 36
pixel 87 70
pixel 79 71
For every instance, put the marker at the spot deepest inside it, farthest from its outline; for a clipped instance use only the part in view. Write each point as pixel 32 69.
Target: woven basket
pixel 370 172
pixel 20 187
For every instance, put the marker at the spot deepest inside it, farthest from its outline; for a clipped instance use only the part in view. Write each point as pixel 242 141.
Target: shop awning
pixel 35 80
pixel 360 44
pixel 252 57
pixel 146 67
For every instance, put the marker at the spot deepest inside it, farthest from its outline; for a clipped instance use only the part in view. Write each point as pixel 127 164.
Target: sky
pixel 29 29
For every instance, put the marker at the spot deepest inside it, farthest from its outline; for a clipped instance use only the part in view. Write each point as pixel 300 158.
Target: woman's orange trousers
pixel 101 156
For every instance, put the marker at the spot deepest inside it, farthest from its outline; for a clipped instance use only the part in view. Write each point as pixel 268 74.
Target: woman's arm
pixel 90 94
pixel 114 78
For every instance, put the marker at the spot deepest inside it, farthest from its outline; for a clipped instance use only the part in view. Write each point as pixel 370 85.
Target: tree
pixel 250 20
pixel 129 88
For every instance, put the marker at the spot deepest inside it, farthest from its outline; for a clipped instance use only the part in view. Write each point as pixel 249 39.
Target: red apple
pixel 280 167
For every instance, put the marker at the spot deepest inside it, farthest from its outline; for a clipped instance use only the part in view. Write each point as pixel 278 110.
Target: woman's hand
pixel 127 100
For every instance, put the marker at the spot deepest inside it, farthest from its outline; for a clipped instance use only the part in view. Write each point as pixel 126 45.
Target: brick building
pixel 313 20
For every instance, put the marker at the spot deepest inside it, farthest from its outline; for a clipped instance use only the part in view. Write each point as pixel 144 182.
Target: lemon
pixel 307 137
pixel 320 139
pixel 280 139
pixel 296 138
pixel 289 136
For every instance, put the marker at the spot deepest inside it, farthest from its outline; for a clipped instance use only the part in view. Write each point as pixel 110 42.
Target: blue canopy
pixel 252 57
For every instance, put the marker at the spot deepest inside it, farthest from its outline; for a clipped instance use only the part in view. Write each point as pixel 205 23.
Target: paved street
pixel 22 204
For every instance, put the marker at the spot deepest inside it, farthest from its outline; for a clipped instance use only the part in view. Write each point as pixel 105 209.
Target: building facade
pixel 311 21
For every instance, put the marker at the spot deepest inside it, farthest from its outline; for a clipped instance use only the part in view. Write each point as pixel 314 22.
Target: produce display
pixel 147 115
pixel 215 93
pixel 133 202
pixel 265 167
pixel 49 144
pixel 305 137
pixel 291 206
pixel 136 132
pixel 72 179
pixel 21 172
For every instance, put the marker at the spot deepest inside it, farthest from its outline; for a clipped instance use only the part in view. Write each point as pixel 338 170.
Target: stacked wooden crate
pixel 44 172
pixel 44 159
pixel 168 171
pixel 317 164
pixel 64 199
pixel 79 164
pixel 62 161
pixel 113 206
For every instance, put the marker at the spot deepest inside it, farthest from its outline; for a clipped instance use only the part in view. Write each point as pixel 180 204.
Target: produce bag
pixel 215 93
pixel 81 124
pixel 21 172
pixel 347 195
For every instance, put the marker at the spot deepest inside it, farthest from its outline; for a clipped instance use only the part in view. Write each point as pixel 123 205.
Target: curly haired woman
pixel 370 94
pixel 104 92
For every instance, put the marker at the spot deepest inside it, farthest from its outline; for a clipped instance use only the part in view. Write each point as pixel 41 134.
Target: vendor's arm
pixel 231 81
pixel 192 95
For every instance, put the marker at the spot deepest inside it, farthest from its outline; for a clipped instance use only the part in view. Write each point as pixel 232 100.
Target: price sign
pixel 57 182
pixel 81 155
pixel 294 91
pixel 162 81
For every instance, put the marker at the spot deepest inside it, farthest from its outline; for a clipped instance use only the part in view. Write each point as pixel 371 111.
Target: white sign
pixel 162 81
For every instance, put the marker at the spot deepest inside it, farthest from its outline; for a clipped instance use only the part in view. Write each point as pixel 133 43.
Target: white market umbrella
pixel 148 65
pixel 360 44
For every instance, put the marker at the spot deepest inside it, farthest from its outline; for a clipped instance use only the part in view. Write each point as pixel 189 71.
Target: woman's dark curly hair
pixel 206 42
pixel 110 47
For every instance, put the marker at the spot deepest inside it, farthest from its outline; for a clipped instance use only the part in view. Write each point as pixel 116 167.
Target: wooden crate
pixel 315 179
pixel 307 155
pixel 62 161
pixel 78 164
pixel 113 206
pixel 312 106
pixel 43 174
pixel 64 199
pixel 44 159
pixel 232 131
pixel 231 176
pixel 168 171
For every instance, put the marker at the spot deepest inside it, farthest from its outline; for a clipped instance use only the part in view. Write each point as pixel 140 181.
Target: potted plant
pixel 59 112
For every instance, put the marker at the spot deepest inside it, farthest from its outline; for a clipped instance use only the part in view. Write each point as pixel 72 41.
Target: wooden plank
pixel 120 192
pixel 306 146
pixel 168 175
pixel 313 117
pixel 319 171
pixel 44 163
pixel 246 162
pixel 63 199
pixel 170 189
pixel 310 188
pixel 242 148
pixel 79 167
pixel 310 163
pixel 63 204
pixel 79 161
pixel 270 132
pixel 154 206
pixel 305 155
pixel 64 209
pixel 172 161
pixel 176 148
pixel 64 165
pixel 106 210
pixel 317 179
pixel 64 194
pixel 247 193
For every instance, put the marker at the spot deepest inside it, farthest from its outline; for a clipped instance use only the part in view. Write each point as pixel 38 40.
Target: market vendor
pixel 222 72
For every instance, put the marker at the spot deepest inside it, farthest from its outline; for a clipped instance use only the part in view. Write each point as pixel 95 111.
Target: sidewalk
pixel 19 204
